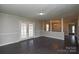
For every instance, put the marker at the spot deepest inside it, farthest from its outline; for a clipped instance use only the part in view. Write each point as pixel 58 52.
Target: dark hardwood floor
pixel 40 45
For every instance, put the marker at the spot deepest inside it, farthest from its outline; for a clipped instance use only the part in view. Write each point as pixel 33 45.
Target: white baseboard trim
pixel 17 41
pixel 10 43
pixel 21 40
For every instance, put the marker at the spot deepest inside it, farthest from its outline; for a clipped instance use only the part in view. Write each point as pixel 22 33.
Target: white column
pixel 61 24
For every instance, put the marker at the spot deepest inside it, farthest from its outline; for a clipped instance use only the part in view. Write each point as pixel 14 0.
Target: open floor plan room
pixel 39 29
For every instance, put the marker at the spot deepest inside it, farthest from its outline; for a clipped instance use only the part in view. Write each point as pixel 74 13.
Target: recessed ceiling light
pixel 41 13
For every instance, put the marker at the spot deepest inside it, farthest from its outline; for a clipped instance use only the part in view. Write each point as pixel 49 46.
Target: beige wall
pixel 54 25
pixel 78 30
pixel 55 29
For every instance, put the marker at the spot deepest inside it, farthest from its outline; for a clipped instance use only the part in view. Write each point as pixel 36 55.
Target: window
pixel 30 30
pixel 23 30
pixel 47 27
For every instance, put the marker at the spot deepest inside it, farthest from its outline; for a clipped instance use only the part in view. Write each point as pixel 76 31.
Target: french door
pixel 27 30
pixel 30 30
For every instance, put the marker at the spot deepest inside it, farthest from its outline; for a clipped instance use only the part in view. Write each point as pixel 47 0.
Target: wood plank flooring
pixel 40 45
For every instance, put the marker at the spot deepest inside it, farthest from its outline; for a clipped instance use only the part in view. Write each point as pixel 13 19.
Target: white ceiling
pixel 31 10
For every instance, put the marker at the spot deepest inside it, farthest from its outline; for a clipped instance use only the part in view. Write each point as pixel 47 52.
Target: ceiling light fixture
pixel 41 13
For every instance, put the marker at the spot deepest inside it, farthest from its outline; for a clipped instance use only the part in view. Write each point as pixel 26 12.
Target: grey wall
pixel 10 28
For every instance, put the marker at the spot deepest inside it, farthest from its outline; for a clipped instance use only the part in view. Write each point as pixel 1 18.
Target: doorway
pixel 27 30
pixel 72 36
pixel 72 29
